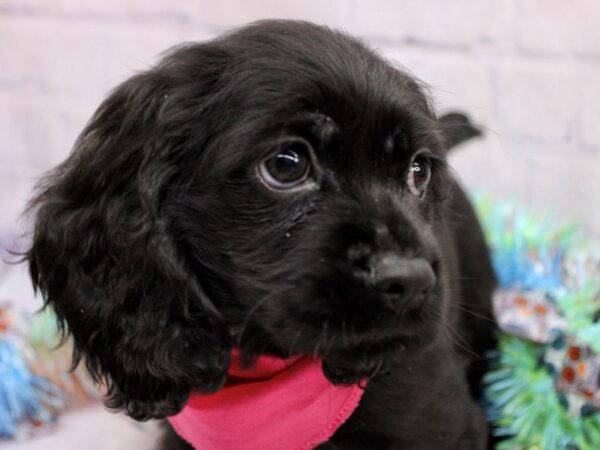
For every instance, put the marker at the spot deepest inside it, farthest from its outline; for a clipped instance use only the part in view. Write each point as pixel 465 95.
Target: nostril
pixel 362 263
pixel 408 278
pixel 396 288
pixel 393 287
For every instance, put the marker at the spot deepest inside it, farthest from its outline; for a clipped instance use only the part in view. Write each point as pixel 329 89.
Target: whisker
pixel 448 329
pixel 473 313
pixel 377 368
pixel 464 345
pixel 462 279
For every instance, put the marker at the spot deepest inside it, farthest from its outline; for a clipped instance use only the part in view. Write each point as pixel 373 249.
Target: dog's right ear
pixel 103 255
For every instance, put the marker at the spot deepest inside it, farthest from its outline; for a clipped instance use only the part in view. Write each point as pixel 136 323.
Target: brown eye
pixel 419 176
pixel 288 168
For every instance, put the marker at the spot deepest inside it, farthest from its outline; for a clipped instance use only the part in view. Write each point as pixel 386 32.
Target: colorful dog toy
pixel 35 382
pixel 544 389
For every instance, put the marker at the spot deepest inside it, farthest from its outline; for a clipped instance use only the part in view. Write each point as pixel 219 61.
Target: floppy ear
pixel 458 128
pixel 104 259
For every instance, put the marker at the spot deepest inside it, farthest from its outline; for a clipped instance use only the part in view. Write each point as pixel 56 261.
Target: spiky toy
pixel 544 389
pixel 35 382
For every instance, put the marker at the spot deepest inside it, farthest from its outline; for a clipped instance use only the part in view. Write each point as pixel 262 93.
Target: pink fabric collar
pixel 275 404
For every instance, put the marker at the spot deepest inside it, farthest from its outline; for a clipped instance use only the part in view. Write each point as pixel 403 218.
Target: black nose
pixel 404 278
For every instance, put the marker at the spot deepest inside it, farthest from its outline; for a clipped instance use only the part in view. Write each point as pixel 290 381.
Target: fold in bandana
pixel 275 404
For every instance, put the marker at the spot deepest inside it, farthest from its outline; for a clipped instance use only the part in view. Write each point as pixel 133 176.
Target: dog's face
pixel 278 189
pixel 327 220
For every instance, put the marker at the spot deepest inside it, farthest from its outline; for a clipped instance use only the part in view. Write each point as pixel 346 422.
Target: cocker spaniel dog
pixel 277 196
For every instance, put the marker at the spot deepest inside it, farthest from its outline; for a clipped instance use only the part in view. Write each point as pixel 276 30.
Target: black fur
pixel 159 247
pixel 457 128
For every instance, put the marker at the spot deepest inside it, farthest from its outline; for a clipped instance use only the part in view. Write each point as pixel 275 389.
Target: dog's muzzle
pixel 402 282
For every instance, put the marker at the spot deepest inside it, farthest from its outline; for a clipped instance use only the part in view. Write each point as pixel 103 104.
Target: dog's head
pixel 277 189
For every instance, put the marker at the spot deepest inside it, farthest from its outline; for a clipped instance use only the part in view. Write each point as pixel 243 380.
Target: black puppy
pixel 281 189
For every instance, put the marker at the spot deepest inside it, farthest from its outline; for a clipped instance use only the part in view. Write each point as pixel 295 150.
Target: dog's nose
pixel 405 278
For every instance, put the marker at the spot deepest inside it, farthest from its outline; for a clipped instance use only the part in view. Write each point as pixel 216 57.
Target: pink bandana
pixel 275 404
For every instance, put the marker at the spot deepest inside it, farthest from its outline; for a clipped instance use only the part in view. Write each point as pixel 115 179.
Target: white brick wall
pixel 537 99
pixel 589 123
pixel 529 70
pixel 558 27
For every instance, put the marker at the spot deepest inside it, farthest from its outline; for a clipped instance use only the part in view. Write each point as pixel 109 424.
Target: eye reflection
pixel 290 167
pixel 419 176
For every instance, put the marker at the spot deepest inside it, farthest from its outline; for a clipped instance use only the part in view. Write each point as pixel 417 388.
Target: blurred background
pixel 527 71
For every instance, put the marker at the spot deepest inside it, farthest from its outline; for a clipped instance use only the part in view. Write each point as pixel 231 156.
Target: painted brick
pixel 455 80
pixel 25 128
pixel 23 51
pixel 225 14
pixel 547 178
pixel 133 10
pixel 16 187
pixel 29 6
pixel 568 185
pixel 79 58
pixel 211 14
pixel 38 130
pixel 558 26
pixel 590 109
pixel 473 162
pixel 460 22
pixel 537 100
pixel 115 10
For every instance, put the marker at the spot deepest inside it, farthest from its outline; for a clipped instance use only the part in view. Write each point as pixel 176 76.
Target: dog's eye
pixel 419 176
pixel 288 168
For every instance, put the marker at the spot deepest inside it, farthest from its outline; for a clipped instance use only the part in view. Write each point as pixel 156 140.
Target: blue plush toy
pixel 35 382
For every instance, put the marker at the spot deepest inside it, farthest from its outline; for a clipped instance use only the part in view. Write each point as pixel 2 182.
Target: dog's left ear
pixel 105 257
pixel 457 128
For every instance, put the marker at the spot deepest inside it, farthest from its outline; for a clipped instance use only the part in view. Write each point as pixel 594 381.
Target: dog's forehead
pixel 279 62
pixel 344 130
pixel 298 78
pixel 352 128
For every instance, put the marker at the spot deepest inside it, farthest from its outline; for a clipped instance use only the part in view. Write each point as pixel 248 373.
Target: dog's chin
pixel 376 355
pixel 360 346
pixel 375 359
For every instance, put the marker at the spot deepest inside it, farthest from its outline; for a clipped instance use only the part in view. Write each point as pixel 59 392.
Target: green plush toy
pixel 543 391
